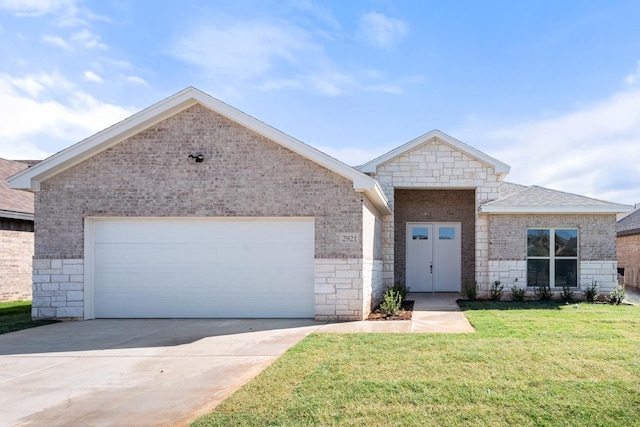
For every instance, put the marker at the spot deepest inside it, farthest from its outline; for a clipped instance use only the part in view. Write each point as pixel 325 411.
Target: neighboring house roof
pixel 630 224
pixel 436 135
pixel 536 199
pixel 31 178
pixel 14 204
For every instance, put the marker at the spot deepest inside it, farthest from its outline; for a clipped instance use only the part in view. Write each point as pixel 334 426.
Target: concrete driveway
pixel 134 372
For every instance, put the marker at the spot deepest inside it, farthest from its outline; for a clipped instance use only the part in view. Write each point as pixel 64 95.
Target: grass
pixel 529 364
pixel 16 315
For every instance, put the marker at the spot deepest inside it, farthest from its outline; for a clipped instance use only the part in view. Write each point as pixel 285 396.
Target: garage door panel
pixel 214 269
pixel 184 255
pixel 158 231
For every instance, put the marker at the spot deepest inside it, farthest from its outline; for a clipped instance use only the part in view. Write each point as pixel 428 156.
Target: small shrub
pixel 517 294
pixel 617 295
pixel 401 289
pixel 470 290
pixel 591 292
pixel 567 294
pixel 495 291
pixel 543 292
pixel 391 303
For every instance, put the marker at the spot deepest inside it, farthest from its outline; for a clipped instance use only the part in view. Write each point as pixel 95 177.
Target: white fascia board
pixel 378 198
pixel 613 209
pixel 16 215
pixel 500 167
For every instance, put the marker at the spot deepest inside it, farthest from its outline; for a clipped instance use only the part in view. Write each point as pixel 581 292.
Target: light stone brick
pixel 71 286
pixel 325 289
pixel 70 312
pixel 45 313
pixel 41 264
pixel 50 286
pixel 40 302
pixel 347 273
pixel 72 268
pixel 75 296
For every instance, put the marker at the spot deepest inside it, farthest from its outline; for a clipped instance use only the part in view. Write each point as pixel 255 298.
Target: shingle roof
pixel 509 188
pixel 515 198
pixel 630 224
pixel 13 203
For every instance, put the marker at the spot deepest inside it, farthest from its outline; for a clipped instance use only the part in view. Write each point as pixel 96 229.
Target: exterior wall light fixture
pixel 199 158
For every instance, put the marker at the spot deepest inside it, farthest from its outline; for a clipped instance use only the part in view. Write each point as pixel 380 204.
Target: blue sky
pixel 551 88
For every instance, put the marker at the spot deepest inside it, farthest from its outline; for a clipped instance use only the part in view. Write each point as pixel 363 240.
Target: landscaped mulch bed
pixel 406 312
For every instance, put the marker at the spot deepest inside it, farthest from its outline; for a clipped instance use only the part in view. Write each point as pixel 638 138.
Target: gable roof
pixel 630 224
pixel 13 203
pixel 534 199
pixel 436 135
pixel 31 178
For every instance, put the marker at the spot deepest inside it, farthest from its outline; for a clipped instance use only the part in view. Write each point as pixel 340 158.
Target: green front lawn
pixel 17 315
pixel 539 364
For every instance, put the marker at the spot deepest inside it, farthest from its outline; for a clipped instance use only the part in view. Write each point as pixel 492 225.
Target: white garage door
pixel 165 268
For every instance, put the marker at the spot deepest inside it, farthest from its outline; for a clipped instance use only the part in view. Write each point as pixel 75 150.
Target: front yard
pixel 528 364
pixel 16 315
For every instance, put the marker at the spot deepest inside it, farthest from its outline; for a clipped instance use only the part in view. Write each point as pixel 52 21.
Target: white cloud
pixel 89 40
pixel 65 12
pixel 321 13
pixel 631 79
pixel 36 7
pixel 137 80
pixel 379 31
pixel 43 113
pixel 56 41
pixel 593 151
pixel 90 76
pixel 271 55
pixel 243 49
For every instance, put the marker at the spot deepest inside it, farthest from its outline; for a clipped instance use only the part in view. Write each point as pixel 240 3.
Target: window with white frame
pixel 552 257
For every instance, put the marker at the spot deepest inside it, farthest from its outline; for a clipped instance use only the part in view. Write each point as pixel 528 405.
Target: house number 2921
pixel 348 237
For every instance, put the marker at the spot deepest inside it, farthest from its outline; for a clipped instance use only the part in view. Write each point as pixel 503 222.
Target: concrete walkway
pixel 632 295
pixel 432 314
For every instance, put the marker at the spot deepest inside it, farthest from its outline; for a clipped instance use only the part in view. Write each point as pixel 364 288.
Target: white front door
pixel 433 257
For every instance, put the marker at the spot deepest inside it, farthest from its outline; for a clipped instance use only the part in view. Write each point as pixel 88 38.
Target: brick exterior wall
pixel 597 247
pixel 16 253
pixel 435 206
pixel 435 165
pixel 596 234
pixel 243 175
pixel 629 259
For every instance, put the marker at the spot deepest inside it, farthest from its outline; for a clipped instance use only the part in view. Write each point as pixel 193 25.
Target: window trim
pixel 552 258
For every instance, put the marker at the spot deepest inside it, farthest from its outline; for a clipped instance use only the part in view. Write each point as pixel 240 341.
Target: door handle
pixel 431 268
